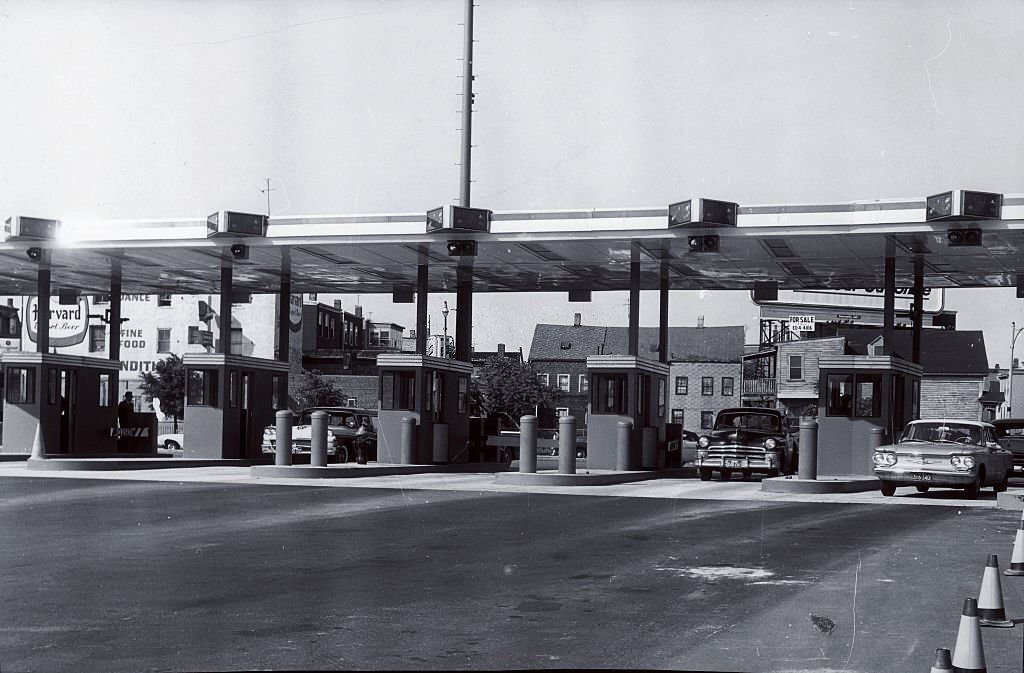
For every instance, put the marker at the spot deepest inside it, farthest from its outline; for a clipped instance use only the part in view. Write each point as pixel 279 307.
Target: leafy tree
pixel 506 385
pixel 312 389
pixel 167 383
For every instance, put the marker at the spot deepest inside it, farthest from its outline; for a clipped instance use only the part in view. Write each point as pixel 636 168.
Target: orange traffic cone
pixel 968 653
pixel 990 598
pixel 1017 558
pixel 942 661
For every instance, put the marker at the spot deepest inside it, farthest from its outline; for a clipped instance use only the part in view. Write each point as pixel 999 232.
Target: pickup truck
pixel 748 440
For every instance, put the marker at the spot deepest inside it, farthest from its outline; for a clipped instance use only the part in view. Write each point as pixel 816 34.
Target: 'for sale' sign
pixel 801 323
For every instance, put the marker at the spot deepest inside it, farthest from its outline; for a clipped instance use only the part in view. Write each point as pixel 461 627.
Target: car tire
pixel 704 473
pixel 888 489
pixel 344 453
pixel 921 488
pixel 772 473
pixel 971 490
pixel 726 475
pixel 1003 485
pixel 172 445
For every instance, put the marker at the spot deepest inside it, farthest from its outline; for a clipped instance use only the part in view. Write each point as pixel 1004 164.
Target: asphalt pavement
pixel 123 572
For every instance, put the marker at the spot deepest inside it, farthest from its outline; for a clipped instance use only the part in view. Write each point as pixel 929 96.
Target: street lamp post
pixel 444 342
pixel 1014 332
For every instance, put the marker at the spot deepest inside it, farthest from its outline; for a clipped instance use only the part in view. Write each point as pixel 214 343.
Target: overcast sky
pixel 157 108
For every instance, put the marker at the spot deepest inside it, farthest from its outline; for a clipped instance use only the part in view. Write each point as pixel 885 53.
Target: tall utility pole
pixel 467 108
pixel 267 191
pixel 1014 333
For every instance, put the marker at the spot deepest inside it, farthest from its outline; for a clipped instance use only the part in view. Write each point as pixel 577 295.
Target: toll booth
pixel 229 400
pixel 434 392
pixel 626 388
pixel 857 394
pixel 70 399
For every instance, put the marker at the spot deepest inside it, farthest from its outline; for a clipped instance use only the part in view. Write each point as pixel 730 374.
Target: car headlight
pixel 962 462
pixel 703 442
pixel 770 444
pixel 883 458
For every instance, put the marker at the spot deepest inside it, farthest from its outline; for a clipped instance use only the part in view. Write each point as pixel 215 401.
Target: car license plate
pixel 733 463
pixel 919 476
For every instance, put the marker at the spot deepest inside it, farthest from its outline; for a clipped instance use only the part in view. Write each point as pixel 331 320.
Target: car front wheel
pixel 172 445
pixel 888 489
pixel 705 474
pixel 1004 484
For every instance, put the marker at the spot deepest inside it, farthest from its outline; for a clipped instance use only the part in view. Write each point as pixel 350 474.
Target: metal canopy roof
pixel 798 246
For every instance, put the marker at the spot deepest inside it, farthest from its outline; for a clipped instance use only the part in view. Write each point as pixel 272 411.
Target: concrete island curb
pixel 588 477
pixel 824 484
pixel 349 470
pixel 54 464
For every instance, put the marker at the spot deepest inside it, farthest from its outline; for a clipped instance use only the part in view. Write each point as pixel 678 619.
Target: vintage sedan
pixel 1010 435
pixel 747 440
pixel 343 435
pixel 951 454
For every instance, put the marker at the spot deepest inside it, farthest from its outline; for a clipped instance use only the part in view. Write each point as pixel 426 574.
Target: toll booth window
pixel 869 396
pixel 398 390
pixel 643 383
pixel 105 395
pixel 202 387
pixel 662 385
pixel 915 399
pixel 608 394
pixel 21 385
pixel 435 400
pixel 463 393
pixel 839 400
pixel 232 389
pixel 51 386
pixel 275 392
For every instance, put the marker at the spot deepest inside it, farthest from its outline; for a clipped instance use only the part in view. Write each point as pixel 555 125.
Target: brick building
pixel 705 362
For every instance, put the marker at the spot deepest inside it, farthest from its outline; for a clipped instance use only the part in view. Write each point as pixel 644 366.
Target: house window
pixel 163 340
pixel 237 340
pixel 682 385
pixel 163 300
pixel 21 385
pixel 563 382
pixel 543 379
pixel 796 367
pixel 727 386
pixel 561 412
pixel 707 385
pixel 97 338
pixel 678 416
pixel 584 383
pixel 707 420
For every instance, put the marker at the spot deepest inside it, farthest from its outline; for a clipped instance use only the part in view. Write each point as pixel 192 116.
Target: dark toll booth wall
pixel 859 394
pixel 70 400
pixel 634 390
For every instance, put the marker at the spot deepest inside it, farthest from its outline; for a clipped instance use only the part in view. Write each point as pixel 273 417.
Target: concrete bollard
pixel 808 449
pixel 440 443
pixel 318 439
pixel 622 438
pixel 528 444
pixel 408 439
pixel 283 438
pixel 649 449
pixel 567 445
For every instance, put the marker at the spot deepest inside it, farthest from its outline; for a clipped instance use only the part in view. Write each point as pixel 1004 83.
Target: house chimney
pixel 501 350
pixel 337 304
pixel 577 319
pixel 700 321
pixel 359 311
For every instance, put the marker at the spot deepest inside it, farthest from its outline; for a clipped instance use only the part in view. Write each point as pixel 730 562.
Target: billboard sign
pixel 69 324
pixel 867 299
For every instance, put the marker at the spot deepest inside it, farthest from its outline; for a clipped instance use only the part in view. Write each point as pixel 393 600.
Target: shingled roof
pixel 951 352
pixel 686 344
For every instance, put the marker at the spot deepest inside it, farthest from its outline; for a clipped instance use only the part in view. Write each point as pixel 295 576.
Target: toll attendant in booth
pixel 126 411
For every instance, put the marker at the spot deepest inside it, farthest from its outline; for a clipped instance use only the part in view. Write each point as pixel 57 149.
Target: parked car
pixel 747 440
pixel 952 454
pixel 342 439
pixel 170 442
pixel 1010 435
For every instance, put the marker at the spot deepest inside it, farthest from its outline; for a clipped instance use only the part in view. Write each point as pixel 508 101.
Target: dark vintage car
pixel 343 435
pixel 747 440
pixel 1010 435
pixel 954 454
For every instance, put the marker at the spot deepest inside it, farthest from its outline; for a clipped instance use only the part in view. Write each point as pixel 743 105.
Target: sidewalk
pixel 683 488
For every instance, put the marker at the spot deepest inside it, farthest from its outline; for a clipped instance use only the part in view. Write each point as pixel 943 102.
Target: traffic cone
pixel 1017 558
pixel 942 661
pixel 968 654
pixel 38 445
pixel 990 598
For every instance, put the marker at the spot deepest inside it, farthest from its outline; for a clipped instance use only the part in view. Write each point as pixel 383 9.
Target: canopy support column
pixel 634 302
pixel 422 295
pixel 464 314
pixel 43 304
pixel 226 290
pixel 889 304
pixel 663 352
pixel 917 312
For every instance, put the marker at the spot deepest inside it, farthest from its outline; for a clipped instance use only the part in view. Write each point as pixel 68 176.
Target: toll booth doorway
pixel 67 385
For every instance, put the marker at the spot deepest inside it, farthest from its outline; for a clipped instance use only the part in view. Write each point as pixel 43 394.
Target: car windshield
pixel 1010 430
pixel 959 433
pixel 747 420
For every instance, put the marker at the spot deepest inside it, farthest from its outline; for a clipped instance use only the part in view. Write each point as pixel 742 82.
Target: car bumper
pixel 739 460
pixel 911 477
